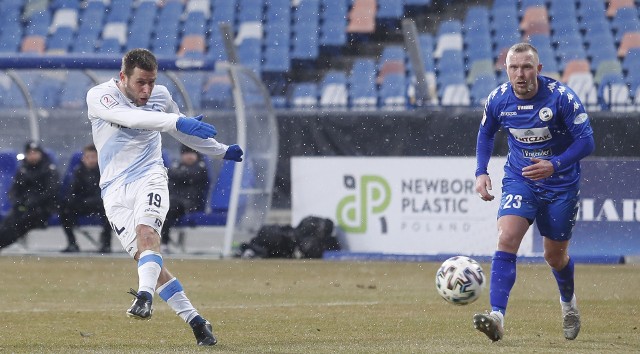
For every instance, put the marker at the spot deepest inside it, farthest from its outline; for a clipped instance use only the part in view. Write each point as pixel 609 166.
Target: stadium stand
pixel 289 42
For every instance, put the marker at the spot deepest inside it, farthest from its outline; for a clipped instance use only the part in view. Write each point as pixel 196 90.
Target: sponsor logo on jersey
pixel 531 135
pixel 524 108
pixel 108 101
pixel 545 114
pixel 502 114
pixel 581 118
pixel 536 153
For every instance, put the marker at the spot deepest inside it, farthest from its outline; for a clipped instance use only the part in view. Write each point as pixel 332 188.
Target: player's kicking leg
pixel 170 290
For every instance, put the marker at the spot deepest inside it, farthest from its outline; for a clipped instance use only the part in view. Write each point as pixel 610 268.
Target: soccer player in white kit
pixel 127 116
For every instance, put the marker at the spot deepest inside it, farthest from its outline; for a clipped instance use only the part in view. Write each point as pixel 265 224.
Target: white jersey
pixel 128 137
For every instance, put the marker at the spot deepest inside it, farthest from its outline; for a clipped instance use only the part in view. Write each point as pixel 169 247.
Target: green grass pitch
pixel 77 305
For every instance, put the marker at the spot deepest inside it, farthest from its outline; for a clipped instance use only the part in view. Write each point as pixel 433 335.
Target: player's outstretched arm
pixel 234 152
pixel 194 126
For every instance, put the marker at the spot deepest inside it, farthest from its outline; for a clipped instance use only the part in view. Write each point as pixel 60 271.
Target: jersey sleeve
pixel 209 146
pixel 107 104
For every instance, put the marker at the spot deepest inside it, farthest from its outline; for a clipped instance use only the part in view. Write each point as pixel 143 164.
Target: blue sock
pixel 564 278
pixel 503 276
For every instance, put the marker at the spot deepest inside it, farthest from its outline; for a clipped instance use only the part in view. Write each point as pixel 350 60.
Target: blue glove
pixel 234 152
pixel 194 126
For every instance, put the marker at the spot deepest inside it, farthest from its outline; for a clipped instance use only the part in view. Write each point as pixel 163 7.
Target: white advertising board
pixel 407 205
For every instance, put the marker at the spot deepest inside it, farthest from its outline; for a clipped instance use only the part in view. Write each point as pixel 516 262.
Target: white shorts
pixel 144 201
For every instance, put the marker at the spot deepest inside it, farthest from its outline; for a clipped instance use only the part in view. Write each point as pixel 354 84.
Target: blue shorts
pixel 554 211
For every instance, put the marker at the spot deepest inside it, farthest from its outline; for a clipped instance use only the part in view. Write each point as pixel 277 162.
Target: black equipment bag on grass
pixel 314 235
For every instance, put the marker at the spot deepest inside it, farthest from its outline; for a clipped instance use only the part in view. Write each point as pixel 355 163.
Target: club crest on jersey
pixel 545 114
pixel 108 101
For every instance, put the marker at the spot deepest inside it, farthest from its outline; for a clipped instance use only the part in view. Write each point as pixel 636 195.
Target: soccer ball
pixel 460 280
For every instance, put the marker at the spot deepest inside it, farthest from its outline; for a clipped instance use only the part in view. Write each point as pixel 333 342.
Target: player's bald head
pixel 138 58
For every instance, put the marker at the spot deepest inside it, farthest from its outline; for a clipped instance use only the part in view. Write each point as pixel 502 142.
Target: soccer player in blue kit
pixel 127 116
pixel 548 134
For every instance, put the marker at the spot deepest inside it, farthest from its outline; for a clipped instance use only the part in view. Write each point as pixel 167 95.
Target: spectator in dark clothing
pixel 83 198
pixel 34 194
pixel 188 187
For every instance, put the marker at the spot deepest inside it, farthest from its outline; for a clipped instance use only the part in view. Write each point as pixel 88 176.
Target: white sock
pixel 499 315
pixel 173 294
pixel 149 267
pixel 566 306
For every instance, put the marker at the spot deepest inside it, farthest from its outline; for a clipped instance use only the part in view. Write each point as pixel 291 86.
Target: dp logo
pixel 372 196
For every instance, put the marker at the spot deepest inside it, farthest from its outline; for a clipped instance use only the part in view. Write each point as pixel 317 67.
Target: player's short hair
pixel 522 48
pixel 138 58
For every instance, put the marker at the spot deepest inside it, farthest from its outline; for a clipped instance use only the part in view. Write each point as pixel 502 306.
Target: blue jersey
pixel 542 127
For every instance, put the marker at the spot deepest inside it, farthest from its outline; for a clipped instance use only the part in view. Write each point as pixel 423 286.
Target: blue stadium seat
pixel 61 39
pixel 362 84
pixel 426 51
pixel 481 87
pixel 223 11
pixel 333 90
pixel 218 208
pixel 305 44
pixel 276 59
pixel 248 11
pixel 195 23
pixel 625 20
pixel 38 23
pixel 217 91
pixel 8 169
pixel 250 54
pixel 110 46
pixel 140 30
pixel 74 90
pixel 390 13
pixel 193 82
pixel 632 60
pixel 304 95
pixel 119 11
pixel 392 93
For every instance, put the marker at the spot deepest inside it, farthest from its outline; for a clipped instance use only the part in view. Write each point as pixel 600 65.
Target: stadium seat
pixel 305 44
pixel 614 5
pixel 33 44
pixel 582 84
pixel 614 93
pixel 392 94
pixel 362 17
pixel 630 40
pixel 389 13
pixel 217 92
pixel 455 95
pixel 535 21
pixel 8 169
pixel 481 87
pixel 119 11
pixel 333 90
pixel 74 90
pixel 631 61
pixel 194 24
pixel 194 43
pixel 480 68
pixel 60 41
pixel 362 84
pixel 304 95
pixel 608 67
pixel 625 20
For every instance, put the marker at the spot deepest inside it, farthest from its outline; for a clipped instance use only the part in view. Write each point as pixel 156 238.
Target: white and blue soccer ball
pixel 460 280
